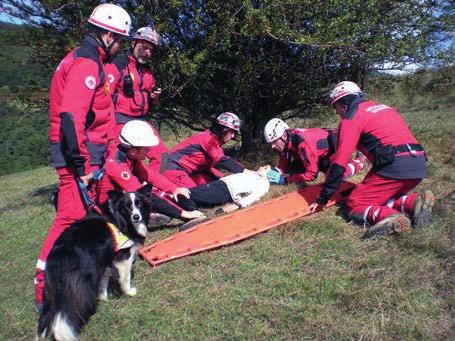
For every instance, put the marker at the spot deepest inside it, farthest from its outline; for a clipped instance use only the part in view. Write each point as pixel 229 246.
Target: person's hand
pixel 315 207
pixel 276 177
pixel 85 179
pixel 181 191
pixel 156 94
pixel 192 214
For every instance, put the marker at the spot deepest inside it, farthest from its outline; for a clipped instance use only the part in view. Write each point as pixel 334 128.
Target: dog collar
pixel 120 240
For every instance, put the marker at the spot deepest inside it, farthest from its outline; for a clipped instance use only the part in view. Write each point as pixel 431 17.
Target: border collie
pixel 83 259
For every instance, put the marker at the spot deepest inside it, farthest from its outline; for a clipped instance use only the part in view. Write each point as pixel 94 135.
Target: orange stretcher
pixel 239 225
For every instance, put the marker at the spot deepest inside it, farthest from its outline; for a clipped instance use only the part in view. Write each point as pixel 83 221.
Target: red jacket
pixel 136 107
pixel 143 82
pixel 201 152
pixel 122 173
pixel 381 134
pixel 304 148
pixel 80 109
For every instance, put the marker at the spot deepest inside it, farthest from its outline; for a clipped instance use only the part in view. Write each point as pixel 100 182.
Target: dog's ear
pixel 145 190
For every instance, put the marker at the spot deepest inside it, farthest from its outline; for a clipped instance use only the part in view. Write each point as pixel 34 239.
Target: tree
pixel 257 58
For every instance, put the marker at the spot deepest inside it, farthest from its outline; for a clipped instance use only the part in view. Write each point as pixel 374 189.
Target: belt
pixel 408 148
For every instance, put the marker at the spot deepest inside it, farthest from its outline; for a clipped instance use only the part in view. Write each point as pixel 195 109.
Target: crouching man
pixel 382 200
pixel 125 170
pixel 303 153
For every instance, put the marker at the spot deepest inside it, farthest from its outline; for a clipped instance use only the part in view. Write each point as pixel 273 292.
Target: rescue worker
pixel 80 112
pixel 135 92
pixel 192 162
pixel 382 200
pixel 303 153
pixel 125 170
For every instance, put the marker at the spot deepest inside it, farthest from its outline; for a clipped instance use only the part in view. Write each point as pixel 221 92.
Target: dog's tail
pixel 69 301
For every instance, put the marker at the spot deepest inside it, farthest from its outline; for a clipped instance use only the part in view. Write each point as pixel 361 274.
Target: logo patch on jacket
pixel 125 175
pixel 90 82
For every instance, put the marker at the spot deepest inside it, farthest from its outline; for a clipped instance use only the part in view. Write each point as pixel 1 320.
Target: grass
pixel 312 279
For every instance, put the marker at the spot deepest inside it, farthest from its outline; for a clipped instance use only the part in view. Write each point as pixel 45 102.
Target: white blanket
pixel 246 188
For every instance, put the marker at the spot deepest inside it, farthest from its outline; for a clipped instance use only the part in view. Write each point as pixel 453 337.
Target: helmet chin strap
pixel 106 47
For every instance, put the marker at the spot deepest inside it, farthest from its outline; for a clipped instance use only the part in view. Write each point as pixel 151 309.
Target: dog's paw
pixel 103 296
pixel 131 292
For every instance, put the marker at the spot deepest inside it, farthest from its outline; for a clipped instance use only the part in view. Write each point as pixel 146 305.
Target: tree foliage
pixel 257 58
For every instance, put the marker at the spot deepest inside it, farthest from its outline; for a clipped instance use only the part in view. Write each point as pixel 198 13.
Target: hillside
pixel 312 279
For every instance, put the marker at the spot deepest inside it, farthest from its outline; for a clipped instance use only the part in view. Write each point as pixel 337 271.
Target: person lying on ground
pixel 303 152
pixel 242 189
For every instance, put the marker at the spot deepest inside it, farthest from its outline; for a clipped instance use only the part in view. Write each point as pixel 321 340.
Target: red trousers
pixel 69 209
pixel 377 198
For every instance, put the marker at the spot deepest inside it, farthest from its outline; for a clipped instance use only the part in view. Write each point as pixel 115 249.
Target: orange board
pixel 241 224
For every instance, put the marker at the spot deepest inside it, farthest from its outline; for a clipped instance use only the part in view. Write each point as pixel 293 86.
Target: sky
pixel 6 18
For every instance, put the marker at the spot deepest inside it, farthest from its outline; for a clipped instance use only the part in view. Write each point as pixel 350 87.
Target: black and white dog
pixel 85 256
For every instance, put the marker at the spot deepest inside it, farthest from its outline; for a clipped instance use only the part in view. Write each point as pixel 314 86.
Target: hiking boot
pixel 396 223
pixel 421 213
pixel 158 220
pixel 193 222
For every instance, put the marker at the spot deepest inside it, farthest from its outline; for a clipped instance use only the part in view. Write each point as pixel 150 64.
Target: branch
pixel 344 47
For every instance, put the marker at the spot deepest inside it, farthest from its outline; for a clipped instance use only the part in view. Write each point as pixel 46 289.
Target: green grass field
pixel 312 279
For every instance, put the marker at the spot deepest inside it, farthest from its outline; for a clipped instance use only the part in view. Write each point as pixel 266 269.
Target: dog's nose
pixel 136 217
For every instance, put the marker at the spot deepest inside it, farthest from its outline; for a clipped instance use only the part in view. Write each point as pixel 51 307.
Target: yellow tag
pixel 121 240
pixel 106 88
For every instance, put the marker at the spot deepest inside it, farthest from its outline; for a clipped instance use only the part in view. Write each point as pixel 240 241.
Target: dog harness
pixel 120 240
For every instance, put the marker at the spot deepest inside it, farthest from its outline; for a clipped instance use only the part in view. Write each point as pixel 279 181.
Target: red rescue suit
pixel 80 119
pixel 399 162
pixel 307 152
pixel 192 162
pixel 124 174
pixel 132 98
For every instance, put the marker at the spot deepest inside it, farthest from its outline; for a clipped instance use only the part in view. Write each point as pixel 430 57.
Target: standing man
pixel 382 200
pixel 135 92
pixel 80 113
pixel 303 152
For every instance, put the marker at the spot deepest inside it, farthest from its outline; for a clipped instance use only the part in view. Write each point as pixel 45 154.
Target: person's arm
pixel 283 165
pixel 349 134
pixel 230 164
pixel 80 86
pixel 309 159
pixel 214 151
pixel 156 179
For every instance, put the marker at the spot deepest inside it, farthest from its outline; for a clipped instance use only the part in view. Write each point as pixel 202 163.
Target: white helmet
pixel 230 120
pixel 112 18
pixel 343 89
pixel 274 129
pixel 148 34
pixel 137 133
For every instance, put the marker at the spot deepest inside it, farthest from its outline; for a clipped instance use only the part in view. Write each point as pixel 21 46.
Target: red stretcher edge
pixel 239 225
